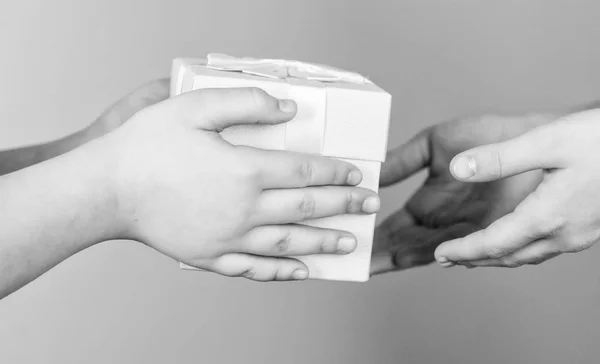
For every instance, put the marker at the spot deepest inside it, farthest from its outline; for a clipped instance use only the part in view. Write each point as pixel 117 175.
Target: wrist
pixel 93 164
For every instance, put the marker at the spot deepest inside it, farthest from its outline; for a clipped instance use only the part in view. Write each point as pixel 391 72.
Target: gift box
pixel 341 115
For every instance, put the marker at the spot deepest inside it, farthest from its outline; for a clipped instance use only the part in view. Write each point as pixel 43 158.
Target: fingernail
pixel 354 177
pixel 465 167
pixel 287 106
pixel 444 262
pixel 371 205
pixel 300 274
pixel 346 245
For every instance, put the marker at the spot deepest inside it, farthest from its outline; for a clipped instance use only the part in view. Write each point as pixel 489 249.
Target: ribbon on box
pixel 283 69
pixel 309 88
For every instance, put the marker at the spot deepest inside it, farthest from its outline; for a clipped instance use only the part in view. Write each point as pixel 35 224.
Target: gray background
pixel 64 61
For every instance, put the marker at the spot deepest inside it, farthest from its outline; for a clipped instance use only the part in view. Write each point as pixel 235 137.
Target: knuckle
pixel 307 206
pixel 496 165
pixel 569 243
pixel 259 96
pixel 350 202
pixel 248 172
pixel 495 252
pixel 340 174
pixel 283 243
pixel 248 273
pixel 550 226
pixel 280 275
pixel 275 273
pixel 327 245
pixel 306 171
pixel 337 174
pixel 574 245
pixel 580 242
pixel 511 262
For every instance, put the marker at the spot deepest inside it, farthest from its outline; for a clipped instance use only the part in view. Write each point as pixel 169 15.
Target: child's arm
pixel 149 94
pixel 49 212
pixel 167 179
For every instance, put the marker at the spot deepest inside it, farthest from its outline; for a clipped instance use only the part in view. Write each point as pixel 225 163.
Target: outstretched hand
pixel 560 216
pixel 445 208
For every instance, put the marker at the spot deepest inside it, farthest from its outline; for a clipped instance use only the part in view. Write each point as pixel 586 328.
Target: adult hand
pixel 560 216
pixel 444 208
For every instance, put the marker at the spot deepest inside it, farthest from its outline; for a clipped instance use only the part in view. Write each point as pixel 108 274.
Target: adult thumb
pixel 530 151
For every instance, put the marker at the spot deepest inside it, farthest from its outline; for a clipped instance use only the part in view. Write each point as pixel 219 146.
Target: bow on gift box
pixel 309 88
pixel 281 68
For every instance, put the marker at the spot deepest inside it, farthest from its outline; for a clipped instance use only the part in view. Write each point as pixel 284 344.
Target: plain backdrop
pixel 63 61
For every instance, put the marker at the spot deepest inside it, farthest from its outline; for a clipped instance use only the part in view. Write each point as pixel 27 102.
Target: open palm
pixel 444 208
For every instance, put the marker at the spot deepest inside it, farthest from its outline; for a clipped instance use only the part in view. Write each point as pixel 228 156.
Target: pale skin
pixel 409 237
pixel 464 220
pixel 559 216
pixel 149 94
pixel 167 179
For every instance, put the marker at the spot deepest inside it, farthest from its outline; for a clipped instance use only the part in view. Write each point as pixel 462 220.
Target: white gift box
pixel 341 115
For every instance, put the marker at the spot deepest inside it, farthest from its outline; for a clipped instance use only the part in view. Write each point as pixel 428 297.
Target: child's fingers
pixel 283 169
pixel 256 268
pixel 217 109
pixel 295 240
pixel 296 205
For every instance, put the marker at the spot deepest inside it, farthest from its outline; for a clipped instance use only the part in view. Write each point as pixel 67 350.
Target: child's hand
pixel 122 110
pixel 560 216
pixel 184 191
pixel 112 118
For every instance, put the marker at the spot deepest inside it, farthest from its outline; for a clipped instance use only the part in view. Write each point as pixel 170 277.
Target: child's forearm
pixel 51 211
pixel 112 118
pixel 12 160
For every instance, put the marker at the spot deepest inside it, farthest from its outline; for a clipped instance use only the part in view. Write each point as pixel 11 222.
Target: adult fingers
pixel 502 237
pixel 400 244
pixel 535 253
pixel 530 151
pixel 406 159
